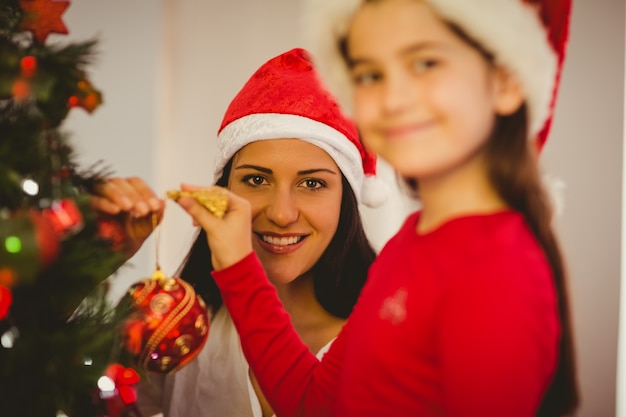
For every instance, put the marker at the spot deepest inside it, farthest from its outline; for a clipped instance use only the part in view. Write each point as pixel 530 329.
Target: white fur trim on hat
pixel 267 126
pixel 510 29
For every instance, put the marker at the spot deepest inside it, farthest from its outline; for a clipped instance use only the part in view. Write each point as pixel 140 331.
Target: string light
pixel 106 385
pixel 8 338
pixel 30 187
pixel 13 244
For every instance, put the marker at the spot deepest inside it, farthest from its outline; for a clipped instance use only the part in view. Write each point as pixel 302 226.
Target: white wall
pixel 122 131
pixel 621 369
pixel 168 69
pixel 585 150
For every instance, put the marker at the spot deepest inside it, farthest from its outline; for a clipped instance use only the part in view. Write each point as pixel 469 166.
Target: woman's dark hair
pixel 513 171
pixel 338 276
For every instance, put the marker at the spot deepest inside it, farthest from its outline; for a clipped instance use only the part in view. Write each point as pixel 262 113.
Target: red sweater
pixel 461 321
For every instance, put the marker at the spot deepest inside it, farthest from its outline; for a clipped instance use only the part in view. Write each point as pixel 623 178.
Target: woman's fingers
pixel 230 237
pixel 104 205
pixel 145 193
pixel 130 195
pixel 113 190
pixel 133 204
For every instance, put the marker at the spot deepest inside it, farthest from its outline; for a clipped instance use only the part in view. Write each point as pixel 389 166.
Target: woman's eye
pixel 254 180
pixel 312 184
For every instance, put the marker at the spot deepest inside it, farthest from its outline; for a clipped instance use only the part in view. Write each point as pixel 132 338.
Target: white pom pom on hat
pixel 285 98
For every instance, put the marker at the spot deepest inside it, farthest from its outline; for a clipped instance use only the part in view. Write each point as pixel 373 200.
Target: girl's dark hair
pixel 513 171
pixel 338 276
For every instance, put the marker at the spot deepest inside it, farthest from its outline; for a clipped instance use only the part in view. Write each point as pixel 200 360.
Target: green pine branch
pixel 62 332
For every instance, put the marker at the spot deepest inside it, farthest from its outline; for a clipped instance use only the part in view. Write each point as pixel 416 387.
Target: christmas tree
pixel 60 351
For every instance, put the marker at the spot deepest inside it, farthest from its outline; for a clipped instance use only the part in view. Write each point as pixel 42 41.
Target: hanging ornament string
pixel 170 323
pixel 156 231
pixel 158 274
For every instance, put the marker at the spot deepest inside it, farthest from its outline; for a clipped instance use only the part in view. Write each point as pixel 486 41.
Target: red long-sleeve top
pixel 461 321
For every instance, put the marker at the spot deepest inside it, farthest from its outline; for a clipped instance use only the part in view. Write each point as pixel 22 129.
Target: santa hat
pixel 285 99
pixel 527 36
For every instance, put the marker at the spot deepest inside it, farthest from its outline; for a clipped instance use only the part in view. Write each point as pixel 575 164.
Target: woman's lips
pixel 280 245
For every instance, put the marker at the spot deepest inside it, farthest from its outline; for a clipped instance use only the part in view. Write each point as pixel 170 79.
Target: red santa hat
pixel 285 99
pixel 528 37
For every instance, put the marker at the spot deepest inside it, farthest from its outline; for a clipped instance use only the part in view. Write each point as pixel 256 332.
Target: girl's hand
pixel 229 238
pixel 132 203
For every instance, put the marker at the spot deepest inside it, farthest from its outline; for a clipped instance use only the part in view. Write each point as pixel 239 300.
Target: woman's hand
pixel 133 204
pixel 230 238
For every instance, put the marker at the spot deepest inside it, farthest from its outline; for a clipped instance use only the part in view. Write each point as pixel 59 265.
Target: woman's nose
pixel 282 209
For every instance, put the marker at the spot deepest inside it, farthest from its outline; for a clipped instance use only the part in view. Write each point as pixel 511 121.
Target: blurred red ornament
pixel 43 17
pixel 47 239
pixel 28 244
pixel 118 392
pixel 125 380
pixel 169 324
pixel 65 172
pixel 28 66
pixel 110 229
pixel 86 97
pixel 7 277
pixel 20 90
pixel 128 395
pixel 6 298
pixel 64 216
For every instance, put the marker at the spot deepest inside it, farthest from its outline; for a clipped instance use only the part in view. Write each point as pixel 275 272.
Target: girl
pixel 465 312
pixel 285 146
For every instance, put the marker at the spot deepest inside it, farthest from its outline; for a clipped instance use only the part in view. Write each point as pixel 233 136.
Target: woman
pixel 466 310
pixel 285 146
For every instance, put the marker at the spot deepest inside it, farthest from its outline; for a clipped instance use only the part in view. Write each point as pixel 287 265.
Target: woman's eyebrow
pixel 316 170
pixel 269 171
pixel 255 167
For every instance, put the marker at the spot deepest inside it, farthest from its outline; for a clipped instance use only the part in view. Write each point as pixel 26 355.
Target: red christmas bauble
pixel 6 299
pixel 169 323
pixel 64 216
pixel 110 229
pixel 47 239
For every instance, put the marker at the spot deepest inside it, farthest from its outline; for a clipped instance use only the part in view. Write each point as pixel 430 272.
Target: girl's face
pixel 424 99
pixel 295 191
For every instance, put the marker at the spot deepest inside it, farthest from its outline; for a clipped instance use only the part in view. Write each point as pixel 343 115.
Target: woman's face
pixel 424 99
pixel 295 190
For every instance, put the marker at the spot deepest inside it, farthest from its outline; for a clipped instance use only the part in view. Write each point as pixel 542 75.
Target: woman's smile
pixel 280 244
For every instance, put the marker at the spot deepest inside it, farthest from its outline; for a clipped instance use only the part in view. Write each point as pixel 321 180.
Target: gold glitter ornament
pixel 214 199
